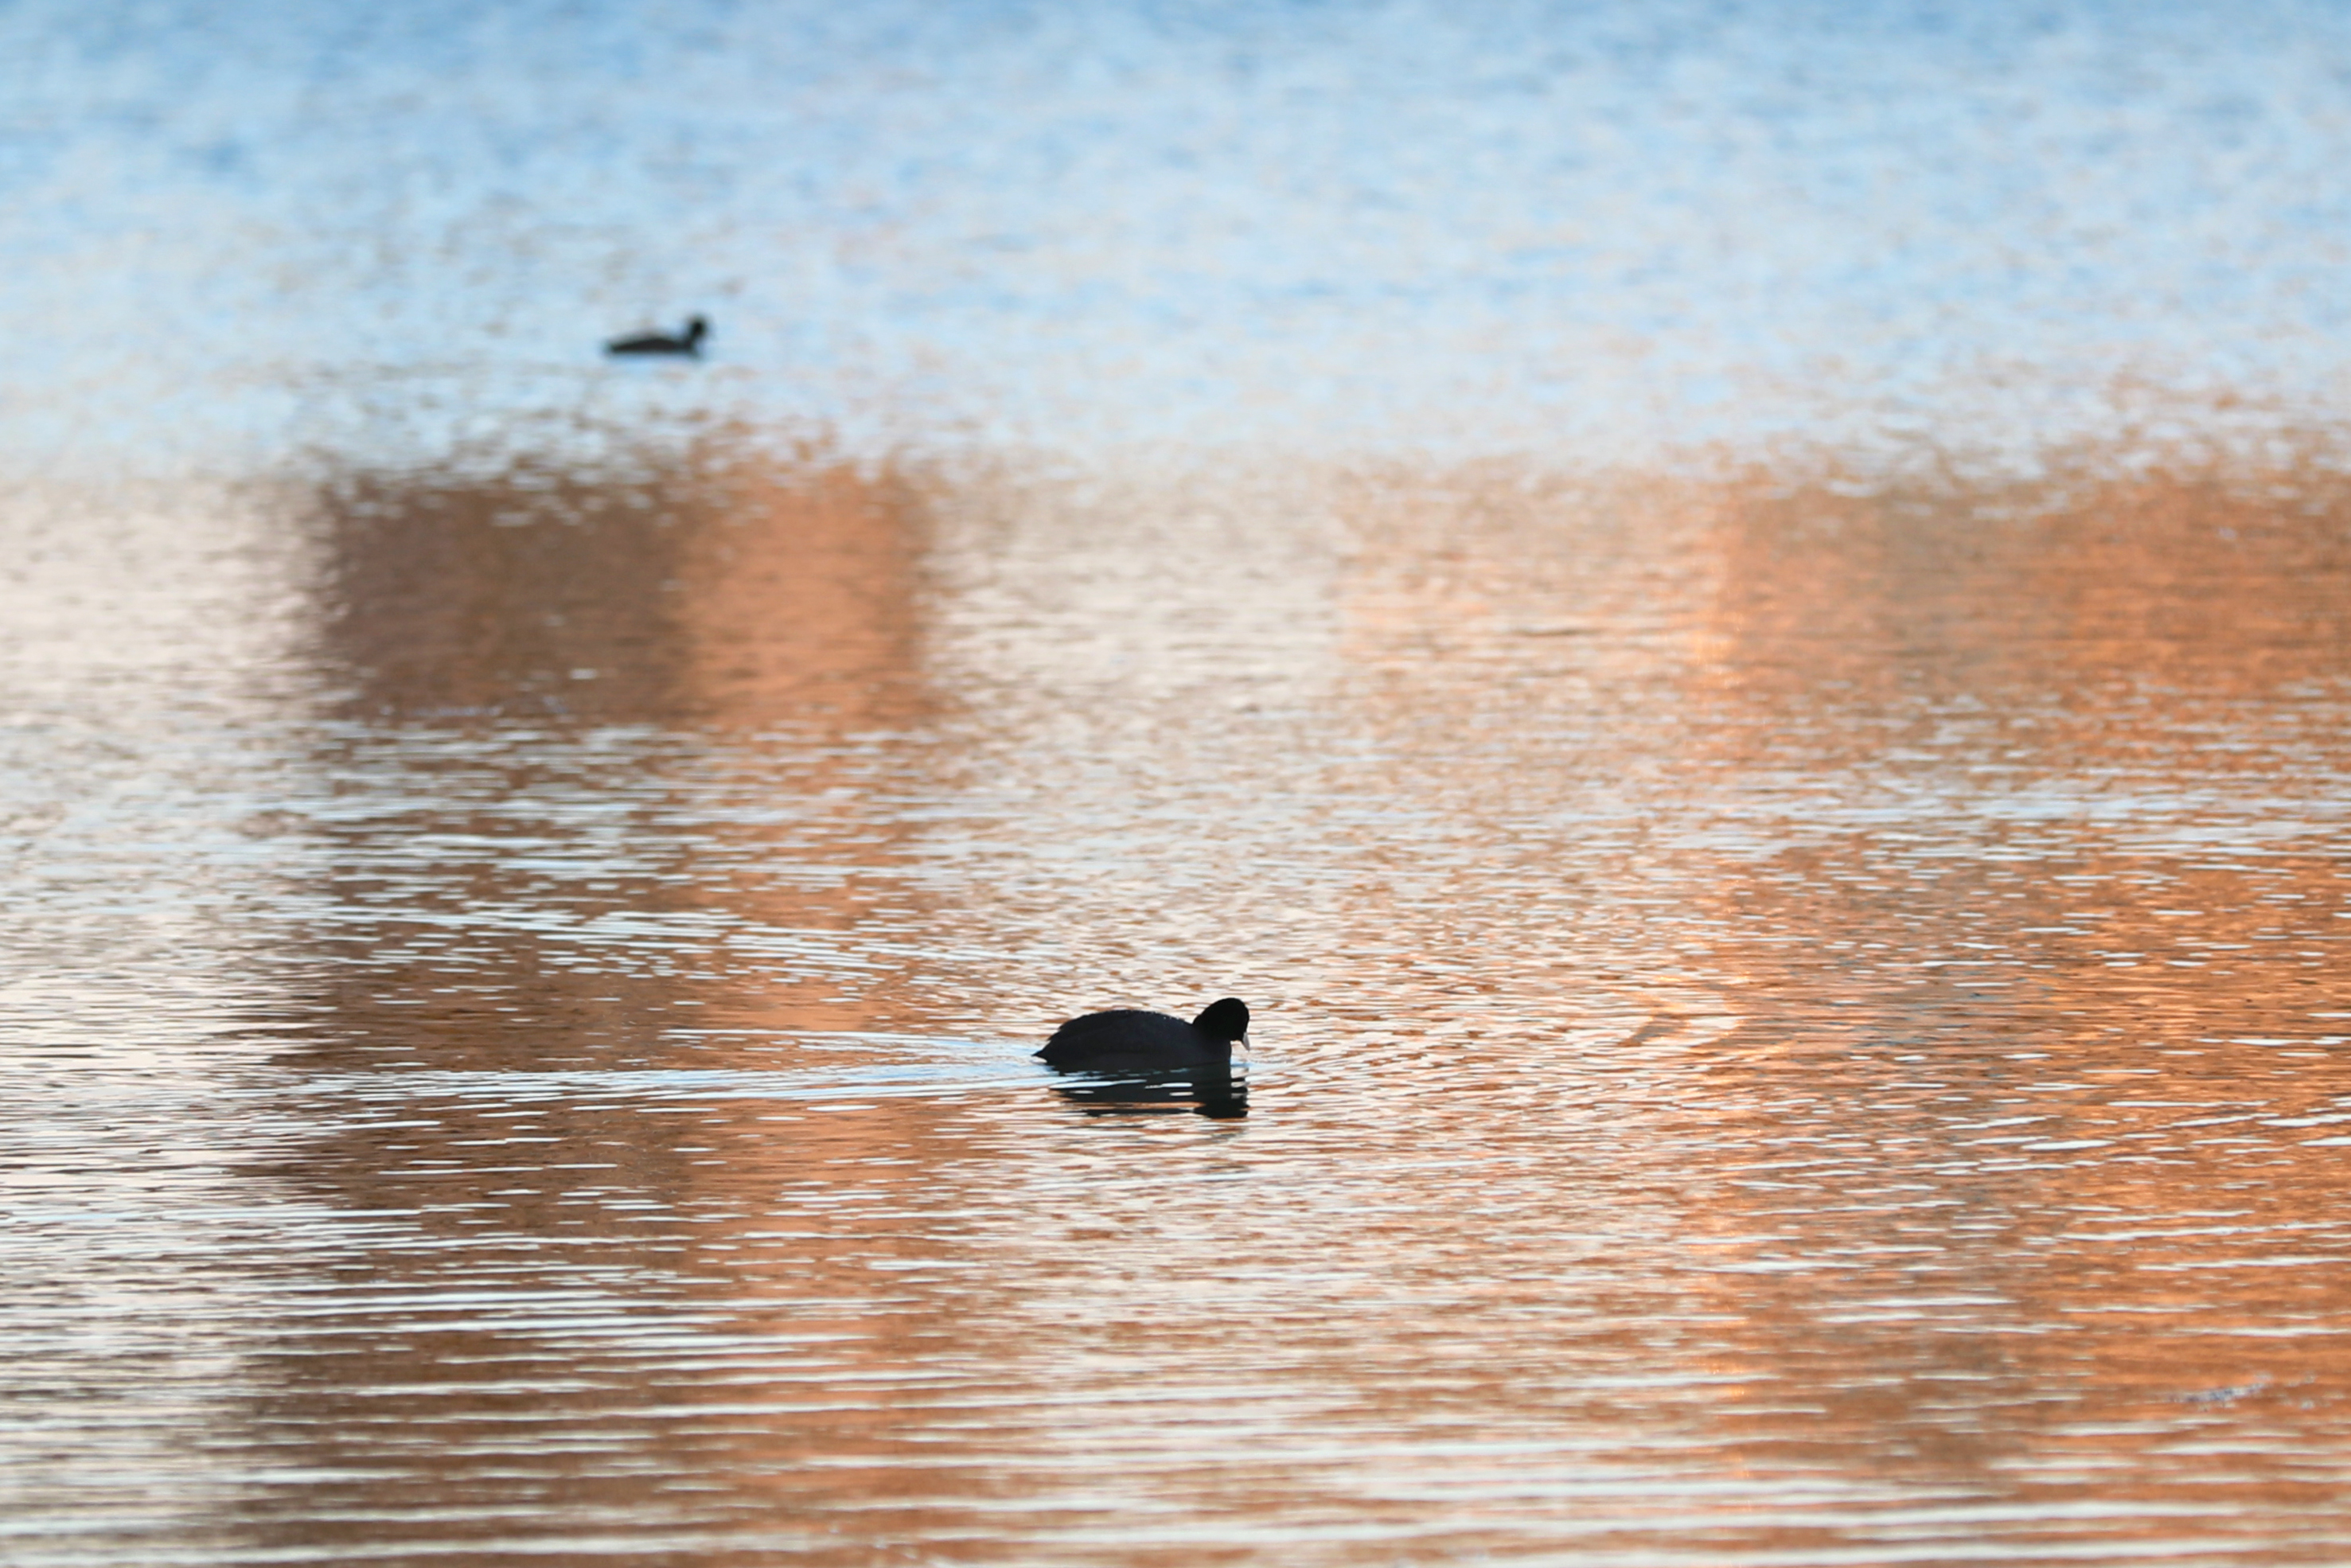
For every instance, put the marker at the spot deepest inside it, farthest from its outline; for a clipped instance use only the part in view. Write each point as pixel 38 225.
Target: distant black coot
pixel 1128 1039
pixel 686 342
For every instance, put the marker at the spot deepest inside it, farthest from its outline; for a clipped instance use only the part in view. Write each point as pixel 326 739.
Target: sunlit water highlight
pixel 1802 998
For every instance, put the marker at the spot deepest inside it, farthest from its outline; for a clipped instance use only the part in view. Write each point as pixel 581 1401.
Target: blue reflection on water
pixel 1583 226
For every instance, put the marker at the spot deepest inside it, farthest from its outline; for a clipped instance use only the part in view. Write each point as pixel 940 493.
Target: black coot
pixel 686 342
pixel 1128 1039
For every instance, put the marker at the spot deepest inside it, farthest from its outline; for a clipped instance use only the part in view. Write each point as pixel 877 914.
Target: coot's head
pixel 696 328
pixel 1227 1020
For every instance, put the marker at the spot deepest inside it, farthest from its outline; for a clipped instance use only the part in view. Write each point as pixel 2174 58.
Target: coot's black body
pixel 1128 1039
pixel 686 342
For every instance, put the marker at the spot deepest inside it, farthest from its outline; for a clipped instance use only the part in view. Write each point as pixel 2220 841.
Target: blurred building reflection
pixel 1918 786
pixel 610 751
pixel 612 768
pixel 2058 933
pixel 700 588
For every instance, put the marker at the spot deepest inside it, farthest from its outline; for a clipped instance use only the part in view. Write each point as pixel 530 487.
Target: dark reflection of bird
pixel 1221 1092
pixel 686 342
pixel 1128 1039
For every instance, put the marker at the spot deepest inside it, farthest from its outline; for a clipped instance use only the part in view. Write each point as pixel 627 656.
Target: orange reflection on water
pixel 1774 1003
pixel 605 809
pixel 1993 821
pixel 615 733
pixel 704 588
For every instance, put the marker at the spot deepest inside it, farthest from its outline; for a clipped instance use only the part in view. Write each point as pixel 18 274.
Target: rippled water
pixel 1802 997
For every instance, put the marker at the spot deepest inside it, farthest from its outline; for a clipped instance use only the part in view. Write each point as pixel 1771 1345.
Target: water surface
pixel 1800 959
